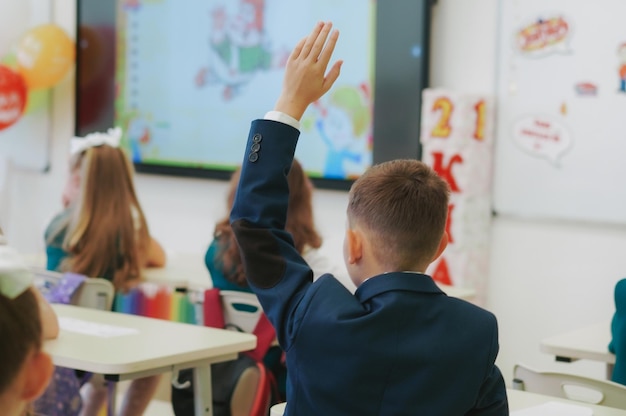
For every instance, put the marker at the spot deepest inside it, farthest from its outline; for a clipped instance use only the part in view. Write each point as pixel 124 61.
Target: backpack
pixel 226 376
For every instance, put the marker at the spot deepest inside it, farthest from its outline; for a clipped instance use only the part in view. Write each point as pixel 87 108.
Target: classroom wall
pixel 545 277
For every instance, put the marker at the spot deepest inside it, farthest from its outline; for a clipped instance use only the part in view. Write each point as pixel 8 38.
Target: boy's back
pixel 398 345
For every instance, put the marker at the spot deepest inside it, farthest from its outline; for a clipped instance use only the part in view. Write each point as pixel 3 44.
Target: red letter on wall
pixel 446 171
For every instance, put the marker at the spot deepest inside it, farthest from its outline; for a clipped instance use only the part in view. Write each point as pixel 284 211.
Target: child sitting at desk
pixel 224 264
pixel 399 345
pixel 10 260
pixel 25 370
pixel 222 257
pixel 618 333
pixel 103 233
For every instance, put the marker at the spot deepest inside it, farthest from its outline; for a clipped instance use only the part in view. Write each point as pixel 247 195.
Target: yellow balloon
pixel 44 55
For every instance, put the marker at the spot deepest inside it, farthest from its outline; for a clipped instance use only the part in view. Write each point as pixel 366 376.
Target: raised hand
pixel 305 78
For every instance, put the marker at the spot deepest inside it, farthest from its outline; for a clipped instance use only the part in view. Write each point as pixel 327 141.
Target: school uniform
pixel 397 346
pixel 618 333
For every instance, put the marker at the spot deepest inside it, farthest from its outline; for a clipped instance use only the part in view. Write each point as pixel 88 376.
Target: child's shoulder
pixel 57 224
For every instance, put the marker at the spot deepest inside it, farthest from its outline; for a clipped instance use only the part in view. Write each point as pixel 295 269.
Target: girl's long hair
pixel 107 233
pixel 299 223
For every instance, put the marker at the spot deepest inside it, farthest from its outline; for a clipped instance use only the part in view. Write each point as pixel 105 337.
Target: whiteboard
pixel 561 125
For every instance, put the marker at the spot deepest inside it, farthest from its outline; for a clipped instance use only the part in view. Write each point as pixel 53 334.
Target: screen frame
pixel 398 124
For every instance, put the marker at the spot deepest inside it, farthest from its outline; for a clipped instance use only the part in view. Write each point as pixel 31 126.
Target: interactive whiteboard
pixel 561 124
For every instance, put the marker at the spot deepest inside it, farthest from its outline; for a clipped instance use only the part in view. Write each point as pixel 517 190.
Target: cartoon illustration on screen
pixel 132 4
pixel 139 134
pixel 621 53
pixel 238 48
pixel 344 126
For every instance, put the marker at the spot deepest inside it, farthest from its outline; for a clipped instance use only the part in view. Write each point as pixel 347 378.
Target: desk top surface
pixel 590 342
pixel 519 400
pixel 116 343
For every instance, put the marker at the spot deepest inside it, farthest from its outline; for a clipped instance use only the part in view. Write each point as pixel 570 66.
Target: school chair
pixel 241 310
pixel 278 409
pixel 93 292
pixel 246 380
pixel 63 394
pixel 569 386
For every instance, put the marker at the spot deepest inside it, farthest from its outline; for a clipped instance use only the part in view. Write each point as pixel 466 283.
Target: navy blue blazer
pixel 398 346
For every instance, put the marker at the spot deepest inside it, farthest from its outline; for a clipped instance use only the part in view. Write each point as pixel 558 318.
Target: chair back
pixel 94 292
pixel 241 310
pixel 569 386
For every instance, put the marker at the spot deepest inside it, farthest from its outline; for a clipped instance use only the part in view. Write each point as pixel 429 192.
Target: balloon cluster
pixel 32 61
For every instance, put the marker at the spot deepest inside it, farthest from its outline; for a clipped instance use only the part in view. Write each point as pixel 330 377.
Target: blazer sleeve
pixel 492 399
pixel 275 270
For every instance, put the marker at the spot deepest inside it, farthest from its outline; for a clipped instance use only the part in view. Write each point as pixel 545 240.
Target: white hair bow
pixel 111 137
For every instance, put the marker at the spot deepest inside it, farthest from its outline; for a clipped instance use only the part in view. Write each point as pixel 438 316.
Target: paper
pixel 94 329
pixel 554 409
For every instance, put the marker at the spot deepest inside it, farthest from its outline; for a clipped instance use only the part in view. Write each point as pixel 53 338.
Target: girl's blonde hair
pixel 107 234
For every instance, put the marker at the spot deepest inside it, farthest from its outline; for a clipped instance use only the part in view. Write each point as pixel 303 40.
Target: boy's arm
pixel 275 270
pixel 49 320
pixel 493 399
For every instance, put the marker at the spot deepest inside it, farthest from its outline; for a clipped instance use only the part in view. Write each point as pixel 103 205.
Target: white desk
pixel 589 343
pixel 149 346
pixel 181 270
pixel 518 400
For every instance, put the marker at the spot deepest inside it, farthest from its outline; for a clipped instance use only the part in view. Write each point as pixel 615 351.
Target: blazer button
pixel 257 138
pixel 255 147
pixel 253 157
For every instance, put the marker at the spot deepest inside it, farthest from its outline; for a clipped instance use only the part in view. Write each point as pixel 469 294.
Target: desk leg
pixel 203 400
pixel 609 371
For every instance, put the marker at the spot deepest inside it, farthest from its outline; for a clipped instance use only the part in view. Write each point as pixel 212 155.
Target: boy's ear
pixel 442 246
pixel 38 371
pixel 355 245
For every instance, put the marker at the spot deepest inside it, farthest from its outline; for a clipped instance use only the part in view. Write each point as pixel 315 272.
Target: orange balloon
pixel 44 55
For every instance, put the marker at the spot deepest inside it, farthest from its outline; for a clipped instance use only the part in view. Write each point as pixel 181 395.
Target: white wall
pixel 545 277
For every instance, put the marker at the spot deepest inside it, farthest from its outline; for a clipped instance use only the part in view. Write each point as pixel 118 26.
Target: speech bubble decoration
pixel 543 37
pixel 542 137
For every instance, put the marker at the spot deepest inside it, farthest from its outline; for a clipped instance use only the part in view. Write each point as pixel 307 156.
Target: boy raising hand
pixel 399 345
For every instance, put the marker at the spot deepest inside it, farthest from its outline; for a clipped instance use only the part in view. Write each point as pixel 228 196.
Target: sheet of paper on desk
pixel 554 409
pixel 94 329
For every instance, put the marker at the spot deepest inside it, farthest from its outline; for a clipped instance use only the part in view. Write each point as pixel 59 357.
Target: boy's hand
pixel 305 79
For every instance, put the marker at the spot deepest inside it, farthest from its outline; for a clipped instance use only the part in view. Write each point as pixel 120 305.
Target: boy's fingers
pixel 320 40
pixel 310 40
pixel 332 76
pixel 298 49
pixel 327 52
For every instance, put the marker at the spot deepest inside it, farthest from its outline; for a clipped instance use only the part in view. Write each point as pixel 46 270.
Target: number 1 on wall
pixel 443 129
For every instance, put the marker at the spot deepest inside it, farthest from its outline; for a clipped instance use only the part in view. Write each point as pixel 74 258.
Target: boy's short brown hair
pixel 403 205
pixel 20 331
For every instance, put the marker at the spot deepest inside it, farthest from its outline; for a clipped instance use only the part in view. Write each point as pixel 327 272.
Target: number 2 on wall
pixel 443 129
